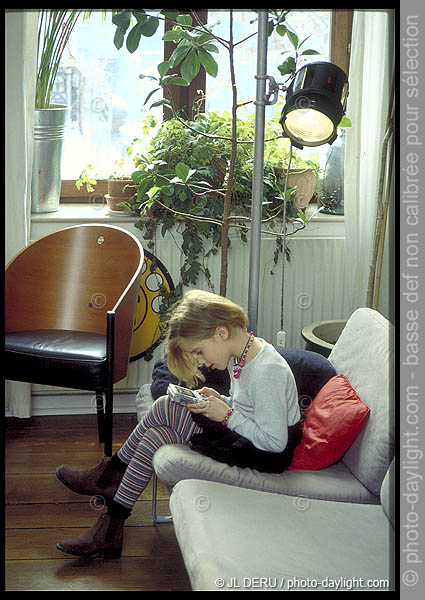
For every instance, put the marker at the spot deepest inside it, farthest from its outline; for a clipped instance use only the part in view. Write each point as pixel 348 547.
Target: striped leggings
pixel 166 423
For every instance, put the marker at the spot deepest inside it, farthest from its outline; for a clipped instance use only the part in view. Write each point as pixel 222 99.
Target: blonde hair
pixel 197 317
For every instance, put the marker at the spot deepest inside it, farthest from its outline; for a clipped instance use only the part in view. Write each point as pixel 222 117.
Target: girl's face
pixel 213 352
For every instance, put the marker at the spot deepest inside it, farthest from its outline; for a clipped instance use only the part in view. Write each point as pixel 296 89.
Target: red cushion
pixel 333 421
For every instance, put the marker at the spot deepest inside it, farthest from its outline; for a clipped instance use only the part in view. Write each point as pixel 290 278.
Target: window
pixel 102 85
pixel 316 26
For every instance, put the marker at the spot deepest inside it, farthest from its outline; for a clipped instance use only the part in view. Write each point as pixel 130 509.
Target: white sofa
pixel 237 527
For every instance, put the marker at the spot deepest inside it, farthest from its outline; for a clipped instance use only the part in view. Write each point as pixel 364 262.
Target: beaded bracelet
pixel 227 417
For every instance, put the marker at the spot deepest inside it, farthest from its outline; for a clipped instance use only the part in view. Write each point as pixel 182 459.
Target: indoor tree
pixel 196 47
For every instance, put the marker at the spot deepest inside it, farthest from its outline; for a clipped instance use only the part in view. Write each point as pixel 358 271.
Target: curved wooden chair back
pixel 71 278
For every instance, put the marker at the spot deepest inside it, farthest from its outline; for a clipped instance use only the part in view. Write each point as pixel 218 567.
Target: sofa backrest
pixel 364 353
pixel 388 493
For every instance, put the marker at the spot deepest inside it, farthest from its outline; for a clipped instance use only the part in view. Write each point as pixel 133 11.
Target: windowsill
pixel 102 214
pixel 321 216
pixel 82 212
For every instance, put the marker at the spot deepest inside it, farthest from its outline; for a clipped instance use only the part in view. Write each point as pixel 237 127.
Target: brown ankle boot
pixel 103 539
pixel 101 480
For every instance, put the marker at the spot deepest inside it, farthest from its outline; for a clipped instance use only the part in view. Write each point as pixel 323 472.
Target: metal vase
pixel 49 130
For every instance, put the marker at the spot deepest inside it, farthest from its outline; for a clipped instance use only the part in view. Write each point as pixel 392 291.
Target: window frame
pixel 184 97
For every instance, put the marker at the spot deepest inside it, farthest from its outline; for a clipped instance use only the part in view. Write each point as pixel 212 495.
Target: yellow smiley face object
pixel 155 283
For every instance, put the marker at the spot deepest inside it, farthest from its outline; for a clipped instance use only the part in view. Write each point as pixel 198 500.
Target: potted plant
pixel 120 187
pixel 181 179
pixel 55 28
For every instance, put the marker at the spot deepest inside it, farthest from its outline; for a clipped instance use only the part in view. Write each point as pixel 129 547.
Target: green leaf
pixel 170 13
pixel 182 196
pixel 133 38
pixel 150 26
pixel 151 193
pixel 161 103
pixel 288 66
pixel 122 19
pixel 178 81
pixel 179 54
pixel 182 171
pixel 141 76
pixel 190 66
pixel 150 95
pixel 140 15
pixel 210 48
pixel 171 36
pixel 163 67
pixel 119 37
pixel 185 20
pixel 270 27
pixel 146 27
pixel 208 62
pixel 293 38
pixel 309 52
pixel 345 122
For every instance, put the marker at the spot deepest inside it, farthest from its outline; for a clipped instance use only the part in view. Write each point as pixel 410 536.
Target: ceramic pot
pixel 322 336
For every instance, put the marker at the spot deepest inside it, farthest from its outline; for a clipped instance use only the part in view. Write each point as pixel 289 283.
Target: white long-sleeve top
pixel 265 400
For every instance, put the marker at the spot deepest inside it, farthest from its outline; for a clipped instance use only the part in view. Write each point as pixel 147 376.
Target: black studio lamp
pixel 315 103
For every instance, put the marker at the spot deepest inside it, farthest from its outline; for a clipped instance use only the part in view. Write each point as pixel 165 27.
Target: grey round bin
pixel 322 336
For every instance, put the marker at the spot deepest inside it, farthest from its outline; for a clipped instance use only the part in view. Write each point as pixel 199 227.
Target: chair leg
pixel 100 416
pixel 155 517
pixel 109 399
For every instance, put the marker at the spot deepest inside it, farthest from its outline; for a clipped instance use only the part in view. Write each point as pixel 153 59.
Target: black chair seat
pixel 74 359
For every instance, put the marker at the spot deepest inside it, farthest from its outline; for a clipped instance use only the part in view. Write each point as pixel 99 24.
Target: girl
pixel 257 426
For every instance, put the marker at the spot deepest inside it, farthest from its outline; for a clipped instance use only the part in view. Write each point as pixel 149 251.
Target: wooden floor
pixel 40 511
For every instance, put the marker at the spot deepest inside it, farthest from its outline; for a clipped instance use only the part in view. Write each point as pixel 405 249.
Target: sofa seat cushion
pixel 231 536
pixel 333 421
pixel 64 358
pixel 172 463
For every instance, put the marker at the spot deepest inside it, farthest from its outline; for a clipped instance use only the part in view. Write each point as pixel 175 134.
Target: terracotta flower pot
pixel 119 190
pixel 121 187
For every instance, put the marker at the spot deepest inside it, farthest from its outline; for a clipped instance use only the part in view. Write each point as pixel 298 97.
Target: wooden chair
pixel 71 299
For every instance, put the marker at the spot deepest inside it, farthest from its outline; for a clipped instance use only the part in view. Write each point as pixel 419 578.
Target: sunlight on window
pixel 102 87
pixel 314 24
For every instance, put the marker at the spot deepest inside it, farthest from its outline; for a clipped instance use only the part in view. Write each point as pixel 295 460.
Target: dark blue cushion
pixel 311 371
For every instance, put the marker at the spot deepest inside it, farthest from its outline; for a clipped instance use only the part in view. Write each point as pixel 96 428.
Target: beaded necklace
pixel 238 364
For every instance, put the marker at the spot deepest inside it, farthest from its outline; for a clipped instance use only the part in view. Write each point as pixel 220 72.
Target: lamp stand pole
pixel 258 172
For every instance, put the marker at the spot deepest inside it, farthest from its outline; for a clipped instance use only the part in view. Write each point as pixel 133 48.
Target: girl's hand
pixel 214 408
pixel 206 391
